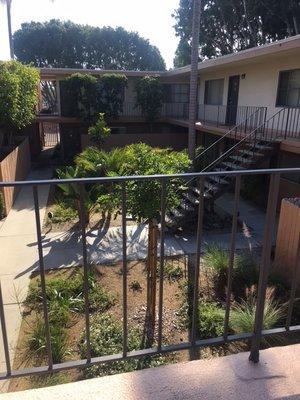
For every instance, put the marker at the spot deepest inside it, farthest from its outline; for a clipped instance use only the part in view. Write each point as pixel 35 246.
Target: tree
pixel 10 37
pixel 144 201
pixel 228 26
pixel 194 79
pixel 19 97
pixel 149 97
pixel 69 45
pixel 143 196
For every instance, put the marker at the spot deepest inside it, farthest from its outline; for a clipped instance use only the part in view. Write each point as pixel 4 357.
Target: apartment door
pixel 232 99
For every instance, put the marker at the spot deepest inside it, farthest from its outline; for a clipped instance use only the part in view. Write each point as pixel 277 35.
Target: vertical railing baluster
pixel 197 260
pixel 162 260
pixel 264 266
pixel 83 223
pixel 124 270
pixel 42 275
pixel 4 334
pixel 232 253
pixel 295 281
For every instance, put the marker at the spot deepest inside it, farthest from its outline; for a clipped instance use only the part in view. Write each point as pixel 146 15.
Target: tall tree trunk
pixel 194 78
pixel 10 37
pixel 151 280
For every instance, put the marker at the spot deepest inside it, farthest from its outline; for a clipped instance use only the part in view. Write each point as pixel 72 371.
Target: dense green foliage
pixel 65 300
pixel 85 96
pixel 228 26
pixel 112 93
pixel 79 96
pixel 210 320
pixel 106 339
pixel 19 96
pixel 135 159
pixel 83 46
pixel 100 131
pixel 149 96
pixel 62 212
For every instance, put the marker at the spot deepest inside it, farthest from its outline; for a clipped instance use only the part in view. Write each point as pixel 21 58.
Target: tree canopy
pixel 228 26
pixel 65 44
pixel 19 96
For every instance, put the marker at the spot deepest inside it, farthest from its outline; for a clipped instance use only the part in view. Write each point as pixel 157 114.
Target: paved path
pixel 16 233
pixel 19 256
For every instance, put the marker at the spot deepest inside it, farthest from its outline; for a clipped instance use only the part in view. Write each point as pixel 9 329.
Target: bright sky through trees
pixel 151 19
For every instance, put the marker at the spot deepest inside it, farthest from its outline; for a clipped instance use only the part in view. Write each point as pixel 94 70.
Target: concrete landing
pixel 277 376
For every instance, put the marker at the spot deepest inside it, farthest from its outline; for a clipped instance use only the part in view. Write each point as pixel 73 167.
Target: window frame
pixel 278 103
pixel 206 88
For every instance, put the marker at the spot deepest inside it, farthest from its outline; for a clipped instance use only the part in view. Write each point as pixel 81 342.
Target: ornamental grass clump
pixel 243 314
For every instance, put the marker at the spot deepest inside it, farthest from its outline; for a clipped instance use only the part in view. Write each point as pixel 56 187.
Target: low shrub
pixel 62 213
pixel 135 286
pixel 210 320
pixel 66 293
pixel 106 338
pixel 99 131
pixel 1 206
pixel 172 271
pixel 243 314
pixel 245 270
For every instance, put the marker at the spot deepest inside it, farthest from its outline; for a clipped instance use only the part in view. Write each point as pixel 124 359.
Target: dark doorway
pixel 232 99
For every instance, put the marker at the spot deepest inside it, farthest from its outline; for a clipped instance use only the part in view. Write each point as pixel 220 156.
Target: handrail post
pixel 246 119
pixel 287 122
pixel 264 267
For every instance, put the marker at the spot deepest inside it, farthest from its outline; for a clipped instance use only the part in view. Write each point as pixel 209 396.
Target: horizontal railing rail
pixel 195 341
pixel 230 115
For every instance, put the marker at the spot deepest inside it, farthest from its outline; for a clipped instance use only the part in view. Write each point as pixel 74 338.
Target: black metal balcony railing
pixel 195 342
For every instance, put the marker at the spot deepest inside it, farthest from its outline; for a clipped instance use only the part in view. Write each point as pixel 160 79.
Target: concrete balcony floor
pixel 277 376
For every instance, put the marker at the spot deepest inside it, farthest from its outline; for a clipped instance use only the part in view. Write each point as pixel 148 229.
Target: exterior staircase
pixel 246 147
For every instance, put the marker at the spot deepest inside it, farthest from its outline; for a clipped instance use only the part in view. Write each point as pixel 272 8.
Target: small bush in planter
pixel 99 131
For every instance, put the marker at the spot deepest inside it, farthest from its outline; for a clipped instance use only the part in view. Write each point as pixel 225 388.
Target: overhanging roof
pixel 256 54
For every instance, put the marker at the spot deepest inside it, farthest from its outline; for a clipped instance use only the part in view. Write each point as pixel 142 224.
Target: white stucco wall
pixel 259 88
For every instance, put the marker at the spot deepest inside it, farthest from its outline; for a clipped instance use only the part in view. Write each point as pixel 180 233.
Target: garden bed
pixel 67 321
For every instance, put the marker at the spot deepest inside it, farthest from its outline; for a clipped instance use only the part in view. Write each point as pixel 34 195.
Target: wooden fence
pixel 288 238
pixel 14 167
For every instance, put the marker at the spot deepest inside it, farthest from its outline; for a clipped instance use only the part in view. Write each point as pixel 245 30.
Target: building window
pixel 176 93
pixel 288 93
pixel 214 92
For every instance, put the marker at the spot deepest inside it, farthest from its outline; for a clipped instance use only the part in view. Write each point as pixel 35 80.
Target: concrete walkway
pixel 276 376
pixel 17 231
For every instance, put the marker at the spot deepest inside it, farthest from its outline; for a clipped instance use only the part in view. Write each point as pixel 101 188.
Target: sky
pixel 151 19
